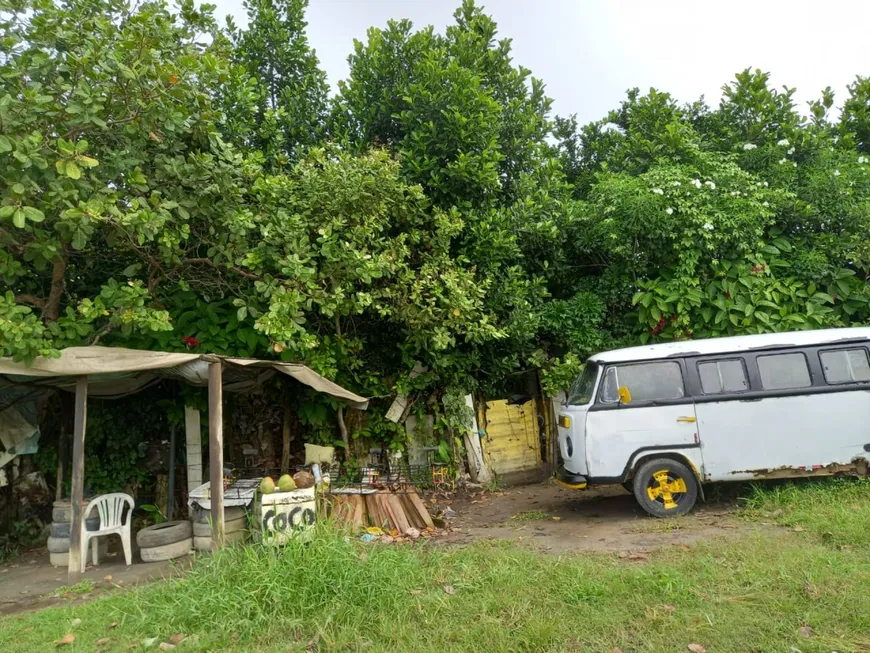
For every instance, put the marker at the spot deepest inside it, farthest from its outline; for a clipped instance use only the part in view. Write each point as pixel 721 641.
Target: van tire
pixel 648 487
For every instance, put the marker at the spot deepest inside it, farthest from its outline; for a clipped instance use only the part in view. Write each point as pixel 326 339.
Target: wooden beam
pixel 78 479
pixel 216 451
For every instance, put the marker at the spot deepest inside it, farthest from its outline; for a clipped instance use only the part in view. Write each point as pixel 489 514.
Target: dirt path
pixel 551 518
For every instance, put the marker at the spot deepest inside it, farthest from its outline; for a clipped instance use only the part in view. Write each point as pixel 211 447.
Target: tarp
pixel 115 371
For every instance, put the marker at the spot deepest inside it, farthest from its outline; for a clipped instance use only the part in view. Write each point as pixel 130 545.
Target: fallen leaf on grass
pixel 66 640
pixel 669 608
pixel 798 529
pixel 108 578
pixel 102 641
pixel 556 518
pixel 76 622
pixel 235 637
pixel 148 642
pixel 166 646
pixel 114 624
pixel 177 638
pixel 806 631
pixel 448 589
pixel 616 649
pixel 697 648
pixel 415 592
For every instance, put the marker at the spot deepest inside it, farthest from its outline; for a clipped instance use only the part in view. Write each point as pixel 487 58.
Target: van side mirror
pixel 624 395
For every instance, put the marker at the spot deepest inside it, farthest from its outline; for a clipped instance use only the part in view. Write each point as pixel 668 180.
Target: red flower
pixel 190 341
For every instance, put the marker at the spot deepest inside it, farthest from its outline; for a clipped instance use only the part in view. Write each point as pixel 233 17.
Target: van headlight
pixel 569 447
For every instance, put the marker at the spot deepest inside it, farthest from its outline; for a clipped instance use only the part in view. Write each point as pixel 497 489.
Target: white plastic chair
pixel 110 508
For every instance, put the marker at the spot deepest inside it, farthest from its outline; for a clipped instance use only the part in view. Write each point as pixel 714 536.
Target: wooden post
pixel 193 443
pixel 216 452
pixel 170 504
pixel 61 461
pixel 78 479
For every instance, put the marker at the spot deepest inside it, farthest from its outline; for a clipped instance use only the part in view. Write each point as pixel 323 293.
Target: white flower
pixel 696 183
pixel 658 191
pixel 783 160
pixel 758 183
pixel 711 185
pixel 793 164
pixel 708 226
pixel 749 146
pixel 676 183
pixel 783 142
pixel 669 211
pixel 765 184
pixel 790 150
pixel 765 204
pixel 862 159
pixel 836 173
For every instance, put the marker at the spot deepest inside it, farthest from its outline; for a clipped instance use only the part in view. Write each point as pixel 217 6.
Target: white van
pixel 663 419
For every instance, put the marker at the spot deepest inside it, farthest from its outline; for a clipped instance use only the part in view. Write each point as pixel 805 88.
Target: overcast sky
pixel 589 52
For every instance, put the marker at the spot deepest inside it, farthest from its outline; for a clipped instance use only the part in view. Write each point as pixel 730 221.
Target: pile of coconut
pixel 299 480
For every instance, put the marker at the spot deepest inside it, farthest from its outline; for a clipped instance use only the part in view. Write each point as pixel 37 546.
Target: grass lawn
pixel 803 589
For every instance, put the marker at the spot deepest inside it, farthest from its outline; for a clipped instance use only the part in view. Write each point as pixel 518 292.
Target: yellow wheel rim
pixel 666 488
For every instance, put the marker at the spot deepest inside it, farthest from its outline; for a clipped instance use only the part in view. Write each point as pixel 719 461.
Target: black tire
pixel 665 487
pixel 204 530
pixel 163 534
pixel 61 529
pixel 58 545
pixel 61 512
pixel 231 513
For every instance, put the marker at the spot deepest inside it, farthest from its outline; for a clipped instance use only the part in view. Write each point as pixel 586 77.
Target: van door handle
pixel 690 420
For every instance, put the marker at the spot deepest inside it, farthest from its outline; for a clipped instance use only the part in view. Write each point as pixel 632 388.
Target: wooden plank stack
pixel 399 511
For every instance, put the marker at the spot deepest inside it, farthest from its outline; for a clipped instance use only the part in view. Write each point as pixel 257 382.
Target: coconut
pixel 267 485
pixel 303 479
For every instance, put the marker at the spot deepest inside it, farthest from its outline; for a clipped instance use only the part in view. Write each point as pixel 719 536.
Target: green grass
pixel 530 515
pixel 748 594
pixel 79 588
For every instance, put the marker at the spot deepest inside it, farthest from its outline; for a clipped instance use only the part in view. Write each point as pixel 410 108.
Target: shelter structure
pixel 115 372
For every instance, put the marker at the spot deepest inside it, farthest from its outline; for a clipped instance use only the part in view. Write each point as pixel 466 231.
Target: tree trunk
pixel 52 304
pixel 342 428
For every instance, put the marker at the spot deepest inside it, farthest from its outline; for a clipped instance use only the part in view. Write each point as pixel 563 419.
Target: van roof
pixel 732 344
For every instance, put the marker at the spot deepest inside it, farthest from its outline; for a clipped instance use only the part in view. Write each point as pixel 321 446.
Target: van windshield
pixel 584 387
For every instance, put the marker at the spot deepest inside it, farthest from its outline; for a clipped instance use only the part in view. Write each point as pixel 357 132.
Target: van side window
pixel 845 365
pixel 646 382
pixel 723 376
pixel 783 371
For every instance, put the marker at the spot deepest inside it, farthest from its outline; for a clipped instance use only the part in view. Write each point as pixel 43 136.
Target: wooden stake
pixel 285 453
pixel 216 452
pixel 78 479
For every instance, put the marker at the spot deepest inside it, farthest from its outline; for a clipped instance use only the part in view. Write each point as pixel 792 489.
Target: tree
pixel 115 179
pixel 282 107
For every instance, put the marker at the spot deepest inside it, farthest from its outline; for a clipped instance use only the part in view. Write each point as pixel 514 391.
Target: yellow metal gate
pixel 512 445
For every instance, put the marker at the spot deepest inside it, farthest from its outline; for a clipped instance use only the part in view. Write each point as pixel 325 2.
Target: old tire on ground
pixel 58 545
pixel 204 530
pixel 61 512
pixel 162 534
pixel 204 543
pixel 665 487
pixel 62 559
pixel 166 551
pixel 231 513
pixel 61 529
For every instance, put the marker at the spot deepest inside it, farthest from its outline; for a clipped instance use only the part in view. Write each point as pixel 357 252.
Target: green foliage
pixel 281 107
pixel 170 184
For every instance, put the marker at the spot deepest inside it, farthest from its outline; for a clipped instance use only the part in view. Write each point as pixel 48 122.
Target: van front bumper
pixel 570 479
